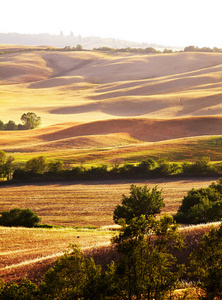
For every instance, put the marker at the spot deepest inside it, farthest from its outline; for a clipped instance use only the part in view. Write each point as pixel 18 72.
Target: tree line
pixel 39 168
pixel 106 49
pixel 147 267
pixel 29 121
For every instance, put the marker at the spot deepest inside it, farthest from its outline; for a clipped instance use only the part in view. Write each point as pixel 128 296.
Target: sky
pixel 176 23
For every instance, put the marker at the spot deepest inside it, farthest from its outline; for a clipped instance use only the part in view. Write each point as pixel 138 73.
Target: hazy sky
pixel 167 22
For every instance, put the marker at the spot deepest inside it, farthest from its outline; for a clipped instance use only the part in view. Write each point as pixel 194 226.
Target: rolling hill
pixel 88 99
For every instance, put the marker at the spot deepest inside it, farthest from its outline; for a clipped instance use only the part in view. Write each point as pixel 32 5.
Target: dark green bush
pixel 201 205
pixel 19 217
pixel 142 201
pixel 26 290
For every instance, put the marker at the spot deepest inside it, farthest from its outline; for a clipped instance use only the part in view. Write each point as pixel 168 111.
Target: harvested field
pixel 27 252
pixel 88 203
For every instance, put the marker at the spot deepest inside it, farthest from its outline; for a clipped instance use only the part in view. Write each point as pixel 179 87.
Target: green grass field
pixel 180 150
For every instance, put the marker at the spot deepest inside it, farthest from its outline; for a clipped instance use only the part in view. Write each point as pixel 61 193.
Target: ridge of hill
pixel 88 99
pixel 72 40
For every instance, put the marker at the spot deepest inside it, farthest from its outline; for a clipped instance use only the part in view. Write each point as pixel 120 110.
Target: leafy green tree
pixel 55 166
pixel 147 269
pixel 147 165
pixel 11 125
pixel 19 217
pixel 30 120
pixel 74 276
pixel 199 167
pixel 206 264
pixel 2 157
pixel 2 125
pixel 142 201
pixel 201 205
pixel 8 167
pixel 36 165
pixel 26 290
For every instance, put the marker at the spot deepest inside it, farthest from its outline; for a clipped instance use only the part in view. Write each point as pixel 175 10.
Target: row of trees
pixel 29 121
pixel 146 268
pixel 38 167
pixel 151 50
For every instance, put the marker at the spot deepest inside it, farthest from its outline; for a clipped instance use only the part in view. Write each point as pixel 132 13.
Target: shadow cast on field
pixel 201 105
pixel 121 108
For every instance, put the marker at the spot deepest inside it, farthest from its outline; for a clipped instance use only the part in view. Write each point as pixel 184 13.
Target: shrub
pixel 142 201
pixel 206 263
pixel 30 120
pixel 147 269
pixel 11 125
pixel 36 165
pixel 26 290
pixel 19 217
pixel 201 205
pixel 73 276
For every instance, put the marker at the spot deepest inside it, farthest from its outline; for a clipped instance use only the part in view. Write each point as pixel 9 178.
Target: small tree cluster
pixel 206 264
pixel 6 166
pixel 146 269
pixel 142 201
pixel 201 205
pixel 19 217
pixel 29 121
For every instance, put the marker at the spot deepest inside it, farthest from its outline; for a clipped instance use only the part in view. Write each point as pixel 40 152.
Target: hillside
pixel 88 99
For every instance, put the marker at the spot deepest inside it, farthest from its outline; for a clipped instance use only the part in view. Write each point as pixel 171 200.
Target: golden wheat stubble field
pixel 90 100
pixel 88 203
pixel 26 252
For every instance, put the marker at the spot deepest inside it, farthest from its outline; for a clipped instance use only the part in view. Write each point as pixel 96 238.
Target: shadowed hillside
pixel 88 99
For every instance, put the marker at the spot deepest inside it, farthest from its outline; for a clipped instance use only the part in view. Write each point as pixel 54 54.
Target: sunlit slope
pixel 109 133
pixel 88 99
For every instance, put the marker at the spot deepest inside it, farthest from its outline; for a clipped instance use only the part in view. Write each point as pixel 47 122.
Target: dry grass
pixel 88 203
pixel 91 100
pixel 29 252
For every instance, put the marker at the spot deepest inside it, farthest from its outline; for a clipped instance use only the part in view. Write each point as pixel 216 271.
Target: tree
pixel 79 47
pixel 74 276
pixel 19 217
pixel 8 167
pixel 2 126
pixel 147 165
pixel 206 263
pixel 142 201
pixel 55 166
pixel 30 120
pixel 147 269
pixel 36 165
pixel 11 125
pixel 26 290
pixel 201 205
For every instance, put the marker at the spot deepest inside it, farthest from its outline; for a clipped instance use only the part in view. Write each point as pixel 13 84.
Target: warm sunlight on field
pixel 99 108
pixel 88 203
pixel 94 100
pixel 28 252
